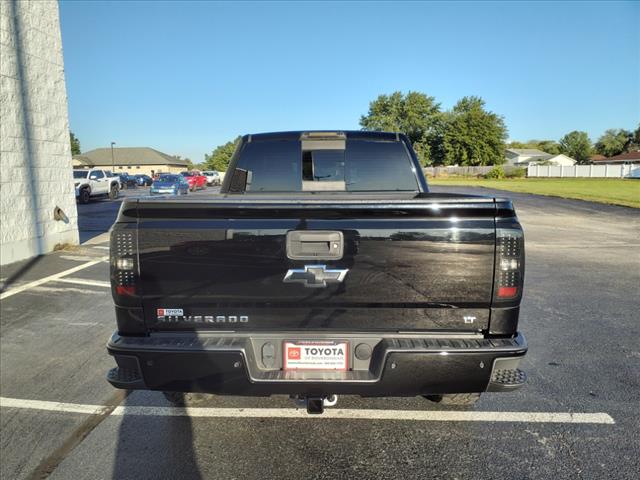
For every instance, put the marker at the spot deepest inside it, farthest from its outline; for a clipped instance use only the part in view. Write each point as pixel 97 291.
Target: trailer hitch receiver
pixel 315 405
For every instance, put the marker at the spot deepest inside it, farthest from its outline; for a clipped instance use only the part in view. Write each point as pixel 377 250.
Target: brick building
pixel 132 160
pixel 35 153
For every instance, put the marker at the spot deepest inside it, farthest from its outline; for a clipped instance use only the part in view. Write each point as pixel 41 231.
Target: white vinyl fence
pixel 465 171
pixel 588 171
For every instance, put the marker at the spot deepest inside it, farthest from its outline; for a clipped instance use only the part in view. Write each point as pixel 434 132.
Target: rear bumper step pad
pixel 504 380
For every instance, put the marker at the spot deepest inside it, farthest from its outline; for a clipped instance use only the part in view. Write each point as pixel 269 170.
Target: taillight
pixel 509 270
pixel 124 263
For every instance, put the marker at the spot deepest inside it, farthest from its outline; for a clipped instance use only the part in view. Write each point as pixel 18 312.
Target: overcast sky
pixel 185 77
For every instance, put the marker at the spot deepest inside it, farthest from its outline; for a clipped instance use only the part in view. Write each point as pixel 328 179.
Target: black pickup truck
pixel 323 267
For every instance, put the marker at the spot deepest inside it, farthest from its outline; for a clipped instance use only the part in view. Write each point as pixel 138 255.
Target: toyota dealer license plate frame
pixel 331 355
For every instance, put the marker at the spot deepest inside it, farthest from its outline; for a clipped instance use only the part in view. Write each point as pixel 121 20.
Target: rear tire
pixel 113 192
pixel 174 398
pixel 455 399
pixel 85 196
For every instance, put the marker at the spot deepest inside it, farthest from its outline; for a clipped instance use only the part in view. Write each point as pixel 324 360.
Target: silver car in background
pixel 213 177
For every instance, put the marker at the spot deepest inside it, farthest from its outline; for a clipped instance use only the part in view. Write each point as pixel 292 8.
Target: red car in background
pixel 195 179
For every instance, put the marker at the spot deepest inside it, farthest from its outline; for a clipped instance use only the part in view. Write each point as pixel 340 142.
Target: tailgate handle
pixel 314 245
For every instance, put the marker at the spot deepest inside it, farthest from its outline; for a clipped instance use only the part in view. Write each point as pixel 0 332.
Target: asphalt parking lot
pixel 576 418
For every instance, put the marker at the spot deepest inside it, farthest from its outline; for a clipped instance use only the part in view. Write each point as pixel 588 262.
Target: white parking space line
pixel 102 247
pixel 103 237
pixel 55 276
pixel 84 281
pixel 330 413
pixel 77 258
pixel 367 414
pixel 51 406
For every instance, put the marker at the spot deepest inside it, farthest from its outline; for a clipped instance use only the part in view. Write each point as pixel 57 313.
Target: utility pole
pixel 113 163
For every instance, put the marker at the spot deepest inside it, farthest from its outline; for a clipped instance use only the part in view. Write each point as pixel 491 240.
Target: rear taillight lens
pixel 124 263
pixel 509 270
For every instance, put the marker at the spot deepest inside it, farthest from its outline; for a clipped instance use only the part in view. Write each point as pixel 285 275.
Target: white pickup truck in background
pixel 94 182
pixel 213 177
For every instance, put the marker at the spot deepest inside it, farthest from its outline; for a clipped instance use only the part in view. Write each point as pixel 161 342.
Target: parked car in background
pixel 95 182
pixel 110 174
pixel 213 177
pixel 128 181
pixel 170 184
pixel 113 176
pixel 143 180
pixel 195 179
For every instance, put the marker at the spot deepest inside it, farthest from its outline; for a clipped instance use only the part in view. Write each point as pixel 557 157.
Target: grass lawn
pixel 615 191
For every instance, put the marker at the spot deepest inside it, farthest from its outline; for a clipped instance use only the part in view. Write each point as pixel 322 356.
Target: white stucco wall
pixel 35 153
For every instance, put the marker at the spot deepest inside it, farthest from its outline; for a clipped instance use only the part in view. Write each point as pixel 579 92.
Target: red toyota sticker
pixel 293 353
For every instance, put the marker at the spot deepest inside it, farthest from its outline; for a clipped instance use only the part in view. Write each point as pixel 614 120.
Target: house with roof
pixel 133 160
pixel 623 158
pixel 522 157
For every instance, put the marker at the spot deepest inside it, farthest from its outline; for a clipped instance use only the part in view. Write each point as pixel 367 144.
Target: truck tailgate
pixel 421 264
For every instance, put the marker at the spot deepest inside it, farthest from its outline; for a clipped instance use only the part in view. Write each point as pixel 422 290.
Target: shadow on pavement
pixel 167 440
pixel 19 273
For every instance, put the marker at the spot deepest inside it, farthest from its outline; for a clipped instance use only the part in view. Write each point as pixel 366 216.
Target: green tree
pixel 414 114
pixel 469 135
pixel 516 144
pixel 576 145
pixel 221 155
pixel 187 160
pixel 635 141
pixel 75 144
pixel 614 142
pixel 549 146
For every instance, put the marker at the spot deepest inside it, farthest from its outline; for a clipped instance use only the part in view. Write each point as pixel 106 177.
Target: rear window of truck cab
pixel 326 165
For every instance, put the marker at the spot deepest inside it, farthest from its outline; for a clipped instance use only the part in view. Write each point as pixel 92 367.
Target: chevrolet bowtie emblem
pixel 315 276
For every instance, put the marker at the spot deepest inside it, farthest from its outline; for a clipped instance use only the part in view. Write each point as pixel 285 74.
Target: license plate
pixel 316 355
